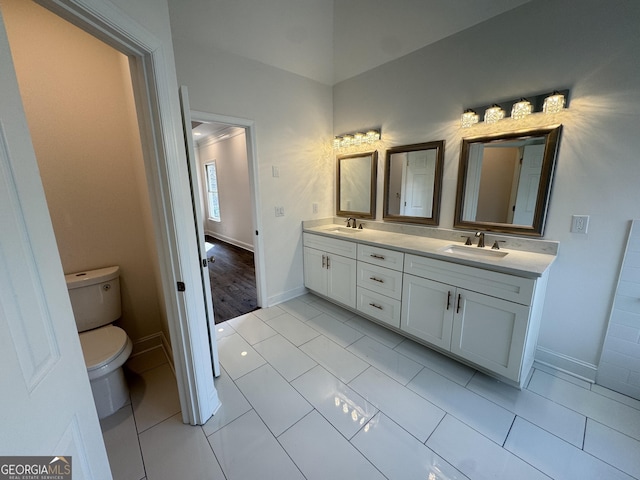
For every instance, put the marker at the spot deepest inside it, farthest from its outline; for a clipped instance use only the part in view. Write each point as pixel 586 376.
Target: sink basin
pixel 474 252
pixel 345 230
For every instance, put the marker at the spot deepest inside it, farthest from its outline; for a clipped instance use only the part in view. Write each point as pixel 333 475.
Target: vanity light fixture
pixel 469 117
pixel 554 103
pixel 546 103
pixel 521 109
pixel 493 114
pixel 356 140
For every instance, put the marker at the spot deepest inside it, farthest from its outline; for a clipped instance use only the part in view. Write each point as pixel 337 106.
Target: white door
pixel 46 406
pixel 527 195
pixel 419 179
pixel 196 201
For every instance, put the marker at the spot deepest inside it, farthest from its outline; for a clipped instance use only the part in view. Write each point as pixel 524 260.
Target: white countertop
pixel 516 262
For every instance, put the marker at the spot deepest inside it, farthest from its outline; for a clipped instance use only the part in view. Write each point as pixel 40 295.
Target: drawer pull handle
pixel 376 306
pixel 375 255
pixel 448 299
pixel 376 279
pixel 458 307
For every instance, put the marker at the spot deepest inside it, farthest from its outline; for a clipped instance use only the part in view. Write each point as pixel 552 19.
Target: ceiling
pixel 326 40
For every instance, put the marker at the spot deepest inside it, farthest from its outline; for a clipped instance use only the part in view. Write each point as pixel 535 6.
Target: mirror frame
pixel 437 186
pixel 371 214
pixel 552 141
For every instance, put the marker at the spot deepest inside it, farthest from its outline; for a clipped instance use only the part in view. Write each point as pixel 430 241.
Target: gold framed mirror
pixel 504 181
pixel 413 182
pixel 356 178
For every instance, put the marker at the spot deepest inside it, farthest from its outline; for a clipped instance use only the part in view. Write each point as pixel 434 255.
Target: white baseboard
pixel 285 296
pixel 155 340
pixel 232 241
pixel 564 363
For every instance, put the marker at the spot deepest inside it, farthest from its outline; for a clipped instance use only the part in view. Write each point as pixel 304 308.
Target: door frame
pixel 254 190
pixel 157 107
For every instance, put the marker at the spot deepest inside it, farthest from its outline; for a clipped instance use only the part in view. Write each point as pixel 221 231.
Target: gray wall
pixel 590 47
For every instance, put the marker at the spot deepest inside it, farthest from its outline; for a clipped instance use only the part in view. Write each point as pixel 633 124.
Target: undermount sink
pixel 474 252
pixel 345 230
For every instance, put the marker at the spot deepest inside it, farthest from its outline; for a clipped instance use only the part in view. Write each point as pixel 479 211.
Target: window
pixel 212 191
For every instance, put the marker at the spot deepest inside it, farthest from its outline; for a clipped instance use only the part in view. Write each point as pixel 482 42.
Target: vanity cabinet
pixel 478 315
pixel 484 318
pixel 330 268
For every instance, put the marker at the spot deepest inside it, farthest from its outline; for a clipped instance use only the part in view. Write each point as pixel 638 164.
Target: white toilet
pixel 95 298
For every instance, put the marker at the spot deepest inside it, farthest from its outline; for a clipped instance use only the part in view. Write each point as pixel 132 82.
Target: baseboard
pixel 232 241
pixel 285 296
pixel 564 363
pixel 155 340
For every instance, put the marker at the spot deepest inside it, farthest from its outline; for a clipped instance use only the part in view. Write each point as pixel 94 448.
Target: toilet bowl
pixel 95 299
pixel 105 350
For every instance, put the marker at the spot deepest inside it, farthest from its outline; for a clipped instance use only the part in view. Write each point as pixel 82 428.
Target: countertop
pixel 516 262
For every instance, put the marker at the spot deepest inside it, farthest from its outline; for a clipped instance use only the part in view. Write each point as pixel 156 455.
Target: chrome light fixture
pixel 469 117
pixel 554 103
pixel 521 109
pixel 493 114
pixel 356 140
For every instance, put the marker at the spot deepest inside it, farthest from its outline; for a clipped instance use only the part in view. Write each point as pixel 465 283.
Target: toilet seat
pixel 104 349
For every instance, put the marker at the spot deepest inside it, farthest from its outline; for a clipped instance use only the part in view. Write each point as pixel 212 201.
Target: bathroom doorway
pixel 227 180
pixel 167 185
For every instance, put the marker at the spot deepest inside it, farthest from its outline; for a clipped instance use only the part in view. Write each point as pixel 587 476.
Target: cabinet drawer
pixel 381 280
pixel 330 245
pixel 381 256
pixel 499 285
pixel 382 308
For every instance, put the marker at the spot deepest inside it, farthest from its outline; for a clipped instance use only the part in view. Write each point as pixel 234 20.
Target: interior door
pixel 46 407
pixel 419 181
pixel 197 218
pixel 528 183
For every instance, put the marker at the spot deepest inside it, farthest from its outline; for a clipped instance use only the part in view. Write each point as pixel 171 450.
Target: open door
pixel 47 406
pixel 192 165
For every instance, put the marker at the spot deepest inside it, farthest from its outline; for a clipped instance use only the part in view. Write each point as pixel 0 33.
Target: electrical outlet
pixel 579 223
pixel 279 211
pixel 314 207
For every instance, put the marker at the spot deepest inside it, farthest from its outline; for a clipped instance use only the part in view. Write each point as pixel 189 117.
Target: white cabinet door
pixel 427 310
pixel 490 332
pixel 330 275
pixel 315 273
pixel 341 280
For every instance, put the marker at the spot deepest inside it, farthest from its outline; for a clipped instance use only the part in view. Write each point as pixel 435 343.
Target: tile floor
pixel 310 391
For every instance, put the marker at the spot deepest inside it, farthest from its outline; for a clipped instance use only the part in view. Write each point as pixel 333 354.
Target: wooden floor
pixel 233 280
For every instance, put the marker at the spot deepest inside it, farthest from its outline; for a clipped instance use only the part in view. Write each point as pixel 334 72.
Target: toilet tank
pixel 95 297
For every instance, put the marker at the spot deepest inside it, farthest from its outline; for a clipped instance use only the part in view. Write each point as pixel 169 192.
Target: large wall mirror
pixel 504 181
pixel 412 183
pixel 356 179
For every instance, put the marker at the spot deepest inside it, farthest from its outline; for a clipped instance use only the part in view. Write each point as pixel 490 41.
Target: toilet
pixel 95 299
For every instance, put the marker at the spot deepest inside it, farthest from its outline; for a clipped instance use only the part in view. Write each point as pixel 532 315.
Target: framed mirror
pixel 504 181
pixel 412 183
pixel 356 179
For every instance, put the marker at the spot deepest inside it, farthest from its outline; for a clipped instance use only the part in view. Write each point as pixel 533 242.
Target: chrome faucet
pixel 480 235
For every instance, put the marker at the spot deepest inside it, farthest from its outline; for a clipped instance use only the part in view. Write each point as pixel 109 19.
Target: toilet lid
pixel 102 345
